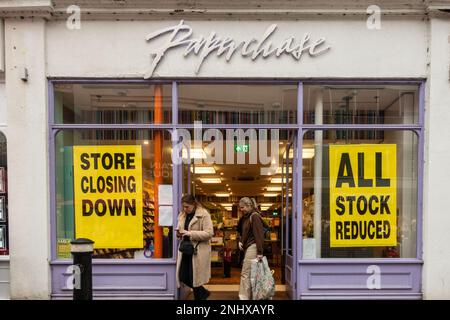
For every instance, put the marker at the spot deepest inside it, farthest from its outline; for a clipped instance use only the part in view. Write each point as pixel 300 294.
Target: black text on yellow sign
pixel 363 198
pixel 108 195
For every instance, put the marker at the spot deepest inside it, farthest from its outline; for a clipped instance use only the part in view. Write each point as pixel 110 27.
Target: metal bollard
pixel 81 250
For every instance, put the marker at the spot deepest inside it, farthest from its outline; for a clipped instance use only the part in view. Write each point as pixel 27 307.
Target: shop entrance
pixel 256 164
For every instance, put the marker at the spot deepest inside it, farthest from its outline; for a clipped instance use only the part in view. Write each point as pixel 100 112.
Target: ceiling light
pixel 279 180
pixel 203 170
pixel 280 170
pixel 146 142
pixel 269 195
pixel 308 153
pixel 222 194
pixel 194 153
pixel 273 189
pixel 210 180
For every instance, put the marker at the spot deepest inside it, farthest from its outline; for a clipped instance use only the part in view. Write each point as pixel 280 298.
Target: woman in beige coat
pixel 195 225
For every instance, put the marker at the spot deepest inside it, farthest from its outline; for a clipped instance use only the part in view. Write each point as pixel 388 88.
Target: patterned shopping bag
pixel 261 278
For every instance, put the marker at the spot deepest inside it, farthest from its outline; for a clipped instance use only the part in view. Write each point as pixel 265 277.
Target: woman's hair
pixel 189 199
pixel 246 201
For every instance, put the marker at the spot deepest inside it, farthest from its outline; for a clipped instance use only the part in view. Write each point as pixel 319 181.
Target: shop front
pixel 348 219
pixel 325 130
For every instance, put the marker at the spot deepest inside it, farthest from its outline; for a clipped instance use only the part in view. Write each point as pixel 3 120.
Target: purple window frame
pixel 300 128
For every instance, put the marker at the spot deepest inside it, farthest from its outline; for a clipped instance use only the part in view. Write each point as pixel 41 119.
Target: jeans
pixel 245 288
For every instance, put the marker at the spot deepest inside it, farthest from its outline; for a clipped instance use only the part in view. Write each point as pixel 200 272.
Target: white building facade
pixel 46 45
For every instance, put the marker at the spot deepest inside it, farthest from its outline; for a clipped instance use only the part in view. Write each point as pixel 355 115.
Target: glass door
pixel 289 167
pixel 182 161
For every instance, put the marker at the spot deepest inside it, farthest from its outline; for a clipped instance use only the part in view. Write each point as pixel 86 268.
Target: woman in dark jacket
pixel 251 242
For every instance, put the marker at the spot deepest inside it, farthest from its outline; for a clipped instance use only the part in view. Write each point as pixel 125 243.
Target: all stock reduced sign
pixel 108 195
pixel 363 195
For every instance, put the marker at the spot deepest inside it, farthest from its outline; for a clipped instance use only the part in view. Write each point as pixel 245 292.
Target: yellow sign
pixel 363 195
pixel 108 195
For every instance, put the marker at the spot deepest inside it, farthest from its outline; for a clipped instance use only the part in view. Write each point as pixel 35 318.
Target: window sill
pixel 361 260
pixel 120 262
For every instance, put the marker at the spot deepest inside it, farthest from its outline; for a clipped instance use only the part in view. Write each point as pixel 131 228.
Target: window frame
pixel 299 126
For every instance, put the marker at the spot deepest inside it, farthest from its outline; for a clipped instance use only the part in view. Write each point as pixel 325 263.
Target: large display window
pixel 359 196
pixel 360 188
pixel 115 186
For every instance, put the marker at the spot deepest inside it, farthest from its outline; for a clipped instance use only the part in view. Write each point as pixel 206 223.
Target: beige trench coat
pixel 202 230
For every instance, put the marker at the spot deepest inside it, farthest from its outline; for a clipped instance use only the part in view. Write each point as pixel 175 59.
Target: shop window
pixel 237 104
pixel 111 103
pixel 111 187
pixel 4 245
pixel 366 104
pixel 360 194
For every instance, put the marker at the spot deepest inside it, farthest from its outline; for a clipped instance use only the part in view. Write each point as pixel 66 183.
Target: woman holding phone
pixel 195 229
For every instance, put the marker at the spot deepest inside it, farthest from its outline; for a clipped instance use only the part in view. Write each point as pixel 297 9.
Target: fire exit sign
pixel 241 148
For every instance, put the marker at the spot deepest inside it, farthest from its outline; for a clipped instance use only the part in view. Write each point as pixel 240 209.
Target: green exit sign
pixel 241 148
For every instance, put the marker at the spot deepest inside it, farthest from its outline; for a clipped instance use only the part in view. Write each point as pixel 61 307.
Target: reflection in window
pixel 111 103
pixel 366 104
pixel 321 207
pixel 154 172
pixel 238 104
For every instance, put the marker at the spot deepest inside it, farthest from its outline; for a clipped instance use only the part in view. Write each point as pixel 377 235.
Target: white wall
pixel 119 49
pixel 436 274
pixel 27 159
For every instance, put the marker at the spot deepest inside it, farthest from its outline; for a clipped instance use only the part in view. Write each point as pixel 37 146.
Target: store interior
pixel 219 187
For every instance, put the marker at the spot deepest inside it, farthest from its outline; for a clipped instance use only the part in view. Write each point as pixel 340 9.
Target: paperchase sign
pixel 180 35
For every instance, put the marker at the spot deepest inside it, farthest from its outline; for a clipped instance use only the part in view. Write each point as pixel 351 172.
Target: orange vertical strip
pixel 158 144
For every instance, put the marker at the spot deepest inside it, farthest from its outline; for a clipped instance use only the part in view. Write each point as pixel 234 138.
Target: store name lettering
pixel 180 35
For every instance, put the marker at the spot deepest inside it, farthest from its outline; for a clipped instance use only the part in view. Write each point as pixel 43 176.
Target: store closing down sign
pixel 363 198
pixel 108 195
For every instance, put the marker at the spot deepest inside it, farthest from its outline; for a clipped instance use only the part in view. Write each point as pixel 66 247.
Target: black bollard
pixel 81 250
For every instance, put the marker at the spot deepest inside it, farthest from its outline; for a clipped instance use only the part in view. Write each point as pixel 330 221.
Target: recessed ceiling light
pixel 280 170
pixel 270 194
pixel 308 153
pixel 203 170
pixel 273 188
pixel 194 153
pixel 279 180
pixel 210 180
pixel 222 194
